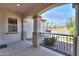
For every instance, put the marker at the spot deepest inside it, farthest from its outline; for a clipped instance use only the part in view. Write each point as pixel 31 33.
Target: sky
pixel 59 15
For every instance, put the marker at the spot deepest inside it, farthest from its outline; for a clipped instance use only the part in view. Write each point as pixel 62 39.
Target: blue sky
pixel 59 15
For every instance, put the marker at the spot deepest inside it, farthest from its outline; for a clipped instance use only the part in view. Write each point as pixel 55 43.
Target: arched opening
pixel 60 16
pixel 60 24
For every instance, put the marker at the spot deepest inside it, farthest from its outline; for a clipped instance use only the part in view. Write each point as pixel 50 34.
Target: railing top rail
pixel 58 34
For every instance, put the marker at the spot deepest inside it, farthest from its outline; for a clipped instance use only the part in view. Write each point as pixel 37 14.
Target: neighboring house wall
pixel 28 27
pixel 43 26
pixel 4 35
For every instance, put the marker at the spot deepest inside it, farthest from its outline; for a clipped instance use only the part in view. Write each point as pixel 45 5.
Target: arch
pixel 50 7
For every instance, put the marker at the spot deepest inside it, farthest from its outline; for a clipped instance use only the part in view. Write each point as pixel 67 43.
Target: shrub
pixel 50 41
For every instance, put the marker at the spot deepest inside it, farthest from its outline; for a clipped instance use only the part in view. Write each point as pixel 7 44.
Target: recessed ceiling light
pixel 18 5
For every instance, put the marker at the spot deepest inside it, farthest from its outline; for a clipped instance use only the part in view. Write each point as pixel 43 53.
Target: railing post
pixel 75 46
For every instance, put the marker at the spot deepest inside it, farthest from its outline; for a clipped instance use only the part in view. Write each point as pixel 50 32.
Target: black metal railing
pixel 64 43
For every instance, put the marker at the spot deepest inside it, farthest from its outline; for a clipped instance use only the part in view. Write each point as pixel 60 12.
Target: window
pixel 12 25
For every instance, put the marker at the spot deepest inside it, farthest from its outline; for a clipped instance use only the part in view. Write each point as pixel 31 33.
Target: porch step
pixel 3 46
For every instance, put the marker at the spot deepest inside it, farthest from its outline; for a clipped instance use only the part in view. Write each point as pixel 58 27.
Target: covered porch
pixel 17 44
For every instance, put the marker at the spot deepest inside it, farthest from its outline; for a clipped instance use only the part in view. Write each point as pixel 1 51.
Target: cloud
pixel 57 22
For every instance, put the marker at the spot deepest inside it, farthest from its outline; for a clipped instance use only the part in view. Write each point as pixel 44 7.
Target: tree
pixel 71 25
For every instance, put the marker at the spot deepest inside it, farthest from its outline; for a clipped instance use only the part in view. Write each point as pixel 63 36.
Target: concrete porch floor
pixel 24 48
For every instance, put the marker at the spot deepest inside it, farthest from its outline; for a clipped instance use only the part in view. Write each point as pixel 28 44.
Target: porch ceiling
pixel 25 8
pixel 13 7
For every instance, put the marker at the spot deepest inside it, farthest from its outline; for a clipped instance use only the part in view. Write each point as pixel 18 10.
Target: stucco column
pixel 76 41
pixel 36 30
pixel 22 33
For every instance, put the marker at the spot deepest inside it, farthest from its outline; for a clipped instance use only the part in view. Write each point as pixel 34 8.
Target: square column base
pixel 36 38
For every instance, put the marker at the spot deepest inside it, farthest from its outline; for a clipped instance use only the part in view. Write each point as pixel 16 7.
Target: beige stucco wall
pixel 0 31
pixel 7 38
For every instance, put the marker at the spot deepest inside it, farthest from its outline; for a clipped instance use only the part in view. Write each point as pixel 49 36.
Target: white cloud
pixel 57 22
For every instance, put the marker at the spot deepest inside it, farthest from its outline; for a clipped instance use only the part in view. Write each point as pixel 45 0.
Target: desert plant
pixel 50 41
